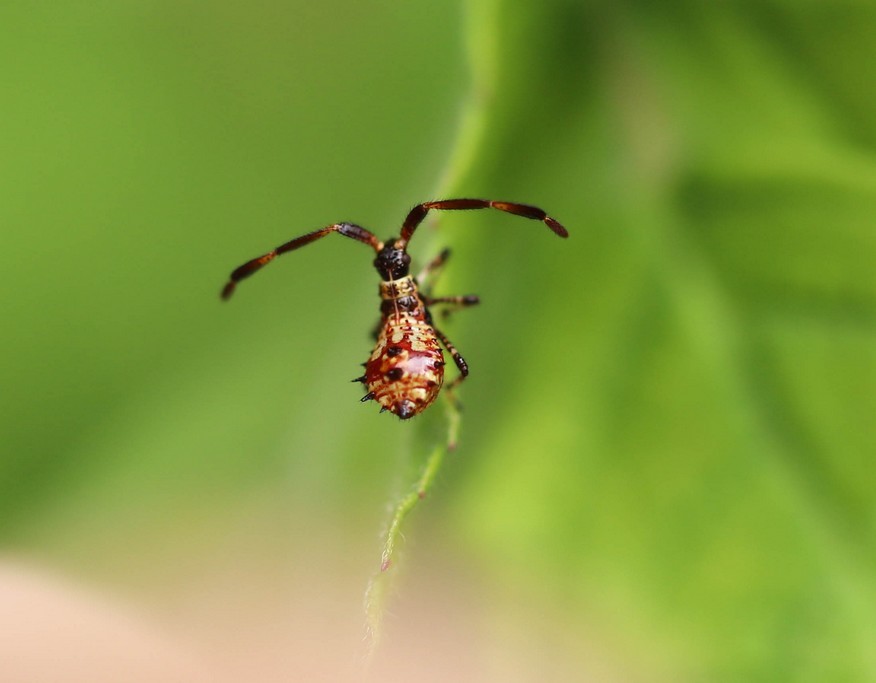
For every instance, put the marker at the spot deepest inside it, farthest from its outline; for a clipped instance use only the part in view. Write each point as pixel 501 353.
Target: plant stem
pixel 375 594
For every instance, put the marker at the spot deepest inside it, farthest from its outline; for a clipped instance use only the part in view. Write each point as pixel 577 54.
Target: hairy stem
pixel 375 594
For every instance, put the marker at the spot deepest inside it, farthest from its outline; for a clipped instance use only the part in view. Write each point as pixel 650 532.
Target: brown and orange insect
pixel 406 369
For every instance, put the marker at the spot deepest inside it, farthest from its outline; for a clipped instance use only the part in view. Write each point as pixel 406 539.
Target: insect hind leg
pixel 461 365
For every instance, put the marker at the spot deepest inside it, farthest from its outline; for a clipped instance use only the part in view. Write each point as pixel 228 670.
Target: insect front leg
pixel 426 278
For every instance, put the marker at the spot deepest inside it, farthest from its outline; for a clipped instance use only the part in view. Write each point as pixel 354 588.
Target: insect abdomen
pixel 406 369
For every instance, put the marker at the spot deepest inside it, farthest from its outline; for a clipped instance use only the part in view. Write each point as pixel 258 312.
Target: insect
pixel 406 369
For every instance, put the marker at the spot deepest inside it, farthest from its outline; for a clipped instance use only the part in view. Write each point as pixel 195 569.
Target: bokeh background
pixel 665 470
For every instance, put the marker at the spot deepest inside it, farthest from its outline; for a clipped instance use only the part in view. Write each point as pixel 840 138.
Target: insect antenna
pixel 350 230
pixel 418 213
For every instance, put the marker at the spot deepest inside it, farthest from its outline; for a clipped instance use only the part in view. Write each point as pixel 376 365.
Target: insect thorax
pixel 401 296
pixel 395 289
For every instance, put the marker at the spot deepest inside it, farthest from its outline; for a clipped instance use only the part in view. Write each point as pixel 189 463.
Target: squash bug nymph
pixel 406 369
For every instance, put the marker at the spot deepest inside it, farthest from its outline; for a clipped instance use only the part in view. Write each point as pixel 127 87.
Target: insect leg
pixel 454 303
pixel 351 230
pixel 459 301
pixel 426 277
pixel 418 213
pixel 457 358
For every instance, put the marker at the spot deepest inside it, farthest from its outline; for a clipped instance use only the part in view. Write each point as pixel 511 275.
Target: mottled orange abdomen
pixel 406 369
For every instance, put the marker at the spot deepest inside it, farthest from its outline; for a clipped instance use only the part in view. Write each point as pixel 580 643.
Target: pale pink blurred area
pixel 56 629
pixel 242 621
pixel 53 629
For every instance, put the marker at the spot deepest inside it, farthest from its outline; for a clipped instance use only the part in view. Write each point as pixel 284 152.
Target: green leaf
pixel 681 456
pixel 665 454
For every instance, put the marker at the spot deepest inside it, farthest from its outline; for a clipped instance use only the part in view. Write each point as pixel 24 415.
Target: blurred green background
pixel 665 464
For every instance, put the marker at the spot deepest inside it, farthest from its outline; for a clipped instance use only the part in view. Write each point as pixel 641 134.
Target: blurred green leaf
pixel 668 428
pixel 682 450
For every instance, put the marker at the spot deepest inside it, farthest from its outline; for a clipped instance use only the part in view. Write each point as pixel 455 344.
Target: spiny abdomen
pixel 406 369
